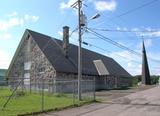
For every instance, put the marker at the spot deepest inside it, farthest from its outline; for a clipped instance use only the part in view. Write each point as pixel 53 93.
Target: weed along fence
pixel 24 96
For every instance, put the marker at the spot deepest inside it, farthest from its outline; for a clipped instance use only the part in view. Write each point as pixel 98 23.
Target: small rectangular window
pixel 27 65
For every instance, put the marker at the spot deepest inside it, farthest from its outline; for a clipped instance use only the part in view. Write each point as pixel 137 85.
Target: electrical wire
pixel 89 44
pixel 117 30
pixel 113 42
pixel 118 44
pixel 124 58
pixel 135 9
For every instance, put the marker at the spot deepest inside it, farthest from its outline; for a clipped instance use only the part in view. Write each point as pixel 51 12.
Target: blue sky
pixel 50 16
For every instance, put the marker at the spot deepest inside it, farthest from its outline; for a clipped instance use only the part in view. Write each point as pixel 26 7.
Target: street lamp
pixel 97 15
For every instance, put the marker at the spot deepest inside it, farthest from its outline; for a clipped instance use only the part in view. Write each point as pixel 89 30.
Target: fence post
pixel 94 89
pixel 22 81
pixel 30 84
pixel 42 94
pixel 52 85
pixel 74 92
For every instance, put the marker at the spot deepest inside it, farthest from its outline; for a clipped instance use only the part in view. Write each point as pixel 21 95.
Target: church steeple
pixel 145 69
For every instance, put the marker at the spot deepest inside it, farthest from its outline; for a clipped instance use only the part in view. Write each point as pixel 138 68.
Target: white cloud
pixel 91 0
pixel 128 60
pixel 130 65
pixel 125 29
pixel 147 32
pixel 148 43
pixel 133 63
pixel 15 20
pixel 12 14
pixel 5 36
pixel 35 18
pixel 121 29
pixel 5 59
pixel 152 34
pixel 118 28
pixel 67 5
pixel 12 22
pixel 105 5
pixel 60 33
pixel 123 54
pixel 72 38
pixel 31 18
pixel 133 68
pixel 135 29
pixel 100 5
pixel 154 56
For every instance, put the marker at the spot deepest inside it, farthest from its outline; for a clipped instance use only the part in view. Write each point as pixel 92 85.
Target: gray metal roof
pixel 52 48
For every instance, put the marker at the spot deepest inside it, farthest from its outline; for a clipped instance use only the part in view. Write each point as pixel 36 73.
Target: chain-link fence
pixel 23 95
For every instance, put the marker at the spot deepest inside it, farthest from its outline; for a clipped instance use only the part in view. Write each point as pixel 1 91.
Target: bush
pixel 154 79
pixel 138 78
pixel 135 81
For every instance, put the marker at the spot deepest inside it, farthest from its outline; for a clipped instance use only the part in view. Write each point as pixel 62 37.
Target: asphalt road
pixel 143 103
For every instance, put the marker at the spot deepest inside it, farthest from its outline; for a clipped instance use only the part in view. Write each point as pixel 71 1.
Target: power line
pixel 118 30
pixel 132 10
pixel 118 44
pixel 113 42
pixel 125 58
pixel 73 32
pixel 89 44
pixel 135 9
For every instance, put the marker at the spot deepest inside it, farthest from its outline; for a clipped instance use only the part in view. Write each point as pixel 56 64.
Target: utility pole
pixel 82 22
pixel 79 50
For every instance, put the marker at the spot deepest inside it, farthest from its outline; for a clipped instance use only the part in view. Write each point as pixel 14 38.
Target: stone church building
pixel 39 56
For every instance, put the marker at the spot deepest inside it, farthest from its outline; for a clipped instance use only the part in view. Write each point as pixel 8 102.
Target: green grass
pixel 28 103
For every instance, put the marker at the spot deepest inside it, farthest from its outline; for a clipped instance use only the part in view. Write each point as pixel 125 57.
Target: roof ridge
pixel 53 38
pixel 29 30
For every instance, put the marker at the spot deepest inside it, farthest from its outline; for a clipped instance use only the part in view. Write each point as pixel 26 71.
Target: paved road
pixel 144 103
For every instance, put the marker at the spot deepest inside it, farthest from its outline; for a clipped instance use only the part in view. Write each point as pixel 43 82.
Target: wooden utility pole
pixel 79 50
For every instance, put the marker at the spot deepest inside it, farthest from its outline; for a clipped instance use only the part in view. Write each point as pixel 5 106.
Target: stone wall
pixel 101 82
pixel 111 82
pixel 124 81
pixel 40 66
pixel 41 70
pixel 105 82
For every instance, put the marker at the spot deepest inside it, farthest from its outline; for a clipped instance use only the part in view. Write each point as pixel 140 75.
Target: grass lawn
pixel 32 102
